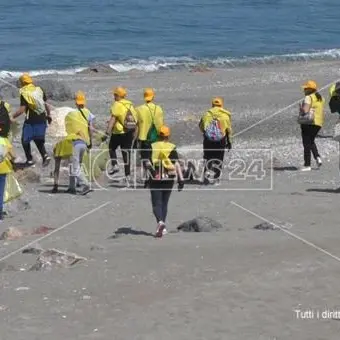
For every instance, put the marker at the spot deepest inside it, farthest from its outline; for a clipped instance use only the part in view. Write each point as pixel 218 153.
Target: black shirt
pixel 31 116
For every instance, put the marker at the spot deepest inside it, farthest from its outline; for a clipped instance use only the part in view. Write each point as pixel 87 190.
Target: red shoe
pixel 160 229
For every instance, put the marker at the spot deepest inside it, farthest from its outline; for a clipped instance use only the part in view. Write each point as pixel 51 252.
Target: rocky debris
pixel 98 69
pixel 55 89
pixel 54 258
pixel 11 233
pixel 200 224
pixel 265 226
pixel 28 175
pixel 57 128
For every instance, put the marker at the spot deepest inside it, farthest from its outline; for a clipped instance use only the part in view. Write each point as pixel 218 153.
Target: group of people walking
pixel 143 125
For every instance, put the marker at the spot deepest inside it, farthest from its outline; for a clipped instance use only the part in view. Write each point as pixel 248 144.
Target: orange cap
pixel 26 79
pixel 149 94
pixel 217 101
pixel 164 131
pixel 80 98
pixel 120 92
pixel 310 84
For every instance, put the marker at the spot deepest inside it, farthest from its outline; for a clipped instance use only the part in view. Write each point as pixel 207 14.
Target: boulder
pixel 200 224
pixel 55 89
pixel 57 127
pixel 98 69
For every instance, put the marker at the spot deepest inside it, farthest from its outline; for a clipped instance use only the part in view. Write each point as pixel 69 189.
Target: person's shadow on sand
pixel 327 191
pixel 285 168
pixel 130 231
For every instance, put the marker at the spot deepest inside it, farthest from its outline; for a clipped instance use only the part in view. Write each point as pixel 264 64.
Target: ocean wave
pixel 35 73
pixel 170 63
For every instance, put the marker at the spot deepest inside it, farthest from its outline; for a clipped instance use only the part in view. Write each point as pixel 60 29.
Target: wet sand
pixel 238 283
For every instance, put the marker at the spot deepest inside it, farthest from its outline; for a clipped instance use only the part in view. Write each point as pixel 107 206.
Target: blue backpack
pixel 213 132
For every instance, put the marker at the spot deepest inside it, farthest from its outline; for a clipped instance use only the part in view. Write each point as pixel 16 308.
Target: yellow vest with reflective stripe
pixel 76 126
pixel 160 154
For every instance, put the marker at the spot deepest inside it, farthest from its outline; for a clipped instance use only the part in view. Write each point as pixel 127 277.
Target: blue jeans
pixel 2 192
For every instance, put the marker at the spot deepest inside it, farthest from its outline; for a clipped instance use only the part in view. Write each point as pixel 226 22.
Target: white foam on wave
pixel 153 64
pixel 34 73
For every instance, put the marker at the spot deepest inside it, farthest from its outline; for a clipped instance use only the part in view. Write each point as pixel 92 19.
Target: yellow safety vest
pixel 76 126
pixel 160 155
pixel 119 110
pixel 317 106
pixel 147 114
pixel 222 115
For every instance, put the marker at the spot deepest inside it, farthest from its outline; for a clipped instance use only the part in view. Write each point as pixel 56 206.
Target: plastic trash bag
pixel 12 188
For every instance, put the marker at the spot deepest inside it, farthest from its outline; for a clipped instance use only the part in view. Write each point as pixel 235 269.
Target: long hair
pixel 318 96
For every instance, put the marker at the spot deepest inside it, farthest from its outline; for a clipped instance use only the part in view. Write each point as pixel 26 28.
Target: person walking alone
pixel 311 119
pixel 164 168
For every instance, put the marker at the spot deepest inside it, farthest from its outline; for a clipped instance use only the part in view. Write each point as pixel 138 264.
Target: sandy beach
pixel 236 283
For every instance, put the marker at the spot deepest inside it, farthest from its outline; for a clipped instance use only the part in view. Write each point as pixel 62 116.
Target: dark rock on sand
pixel 33 251
pixel 200 224
pixel 98 69
pixel 265 226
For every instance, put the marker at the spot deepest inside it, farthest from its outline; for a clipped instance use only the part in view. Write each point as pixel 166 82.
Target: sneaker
pixel 30 164
pixel 160 229
pixel 114 170
pixel 127 181
pixel 319 162
pixel 46 161
pixel 217 182
pixel 71 191
pixel 86 189
pixel 55 189
pixel 164 232
pixel 306 168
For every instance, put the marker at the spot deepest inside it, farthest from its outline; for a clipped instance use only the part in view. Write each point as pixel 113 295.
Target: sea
pixel 67 36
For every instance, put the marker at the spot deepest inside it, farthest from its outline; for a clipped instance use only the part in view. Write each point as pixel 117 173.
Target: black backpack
pixel 5 121
pixel 334 104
